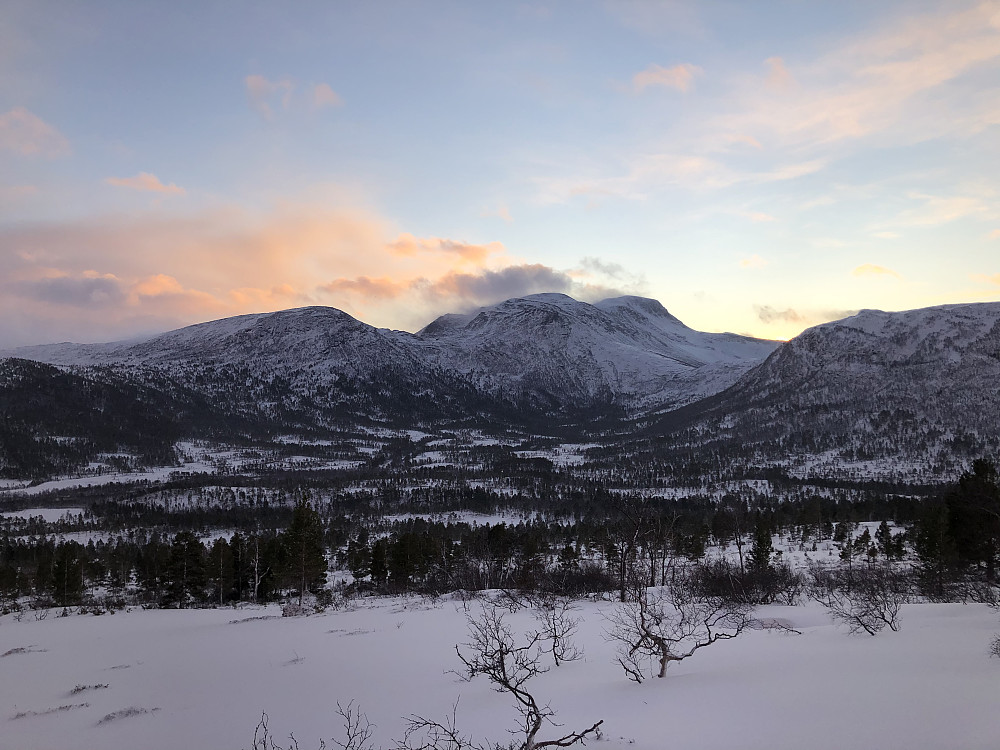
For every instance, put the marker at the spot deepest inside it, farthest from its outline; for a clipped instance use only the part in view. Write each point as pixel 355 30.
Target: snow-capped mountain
pixel 626 351
pixel 546 352
pixel 920 384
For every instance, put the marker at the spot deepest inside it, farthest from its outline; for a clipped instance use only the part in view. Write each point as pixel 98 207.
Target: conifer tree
pixel 303 542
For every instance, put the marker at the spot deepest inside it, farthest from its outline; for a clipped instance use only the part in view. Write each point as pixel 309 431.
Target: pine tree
pixel 185 577
pixel 303 541
pixel 974 516
pixel 66 580
pixel 763 547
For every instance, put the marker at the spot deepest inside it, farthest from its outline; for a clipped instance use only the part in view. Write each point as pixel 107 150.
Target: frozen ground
pixel 200 679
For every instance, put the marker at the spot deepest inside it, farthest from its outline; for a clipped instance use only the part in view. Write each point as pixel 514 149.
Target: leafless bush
pixel 558 627
pixel 125 713
pixel 670 624
pixel 493 652
pixel 866 599
pixel 356 736
pixel 48 711
pixel 995 646
pixel 81 688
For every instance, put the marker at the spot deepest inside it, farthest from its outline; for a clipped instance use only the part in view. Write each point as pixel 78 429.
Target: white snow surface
pixel 201 678
pixel 47 514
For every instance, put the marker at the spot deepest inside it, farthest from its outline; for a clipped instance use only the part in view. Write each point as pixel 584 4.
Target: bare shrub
pixel 492 651
pixel 995 646
pixel 356 736
pixel 82 688
pixel 125 713
pixel 670 624
pixel 866 599
pixel 558 627
pixel 48 711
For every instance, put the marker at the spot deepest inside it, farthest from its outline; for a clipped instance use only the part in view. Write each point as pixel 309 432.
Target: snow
pixel 201 678
pixel 49 515
pixel 154 475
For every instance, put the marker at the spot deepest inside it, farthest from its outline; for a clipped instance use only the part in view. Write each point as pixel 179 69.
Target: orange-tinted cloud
pixel 408 245
pixel 679 77
pixel 324 96
pixel 115 277
pixel 759 217
pixel 374 289
pixel 29 135
pixel 146 182
pixel 870 269
pixel 754 261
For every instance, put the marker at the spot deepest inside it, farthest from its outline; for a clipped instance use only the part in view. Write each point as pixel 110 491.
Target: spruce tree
pixel 303 542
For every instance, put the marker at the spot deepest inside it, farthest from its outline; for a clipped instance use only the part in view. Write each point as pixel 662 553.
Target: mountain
pixel 918 387
pixel 546 353
pixel 551 350
pixel 910 389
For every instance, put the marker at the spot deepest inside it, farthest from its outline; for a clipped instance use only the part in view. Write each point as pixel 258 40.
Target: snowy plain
pixel 201 678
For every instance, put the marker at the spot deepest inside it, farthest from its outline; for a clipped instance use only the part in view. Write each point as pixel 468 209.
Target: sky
pixel 757 167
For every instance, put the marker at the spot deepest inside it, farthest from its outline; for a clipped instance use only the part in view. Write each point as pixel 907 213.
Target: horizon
pixel 765 169
pixel 140 337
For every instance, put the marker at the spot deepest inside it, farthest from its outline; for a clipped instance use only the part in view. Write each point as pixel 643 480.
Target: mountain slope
pixel 544 354
pixel 550 349
pixel 920 384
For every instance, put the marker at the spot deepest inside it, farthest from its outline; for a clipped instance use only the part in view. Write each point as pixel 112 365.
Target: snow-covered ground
pixel 201 678
pixel 48 515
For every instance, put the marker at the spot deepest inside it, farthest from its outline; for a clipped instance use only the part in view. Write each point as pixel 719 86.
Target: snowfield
pixel 201 678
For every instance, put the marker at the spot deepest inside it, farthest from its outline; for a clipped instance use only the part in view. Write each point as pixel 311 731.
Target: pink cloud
pixel 145 182
pixel 262 93
pixel 679 77
pixel 27 134
pixel 324 96
pixel 408 245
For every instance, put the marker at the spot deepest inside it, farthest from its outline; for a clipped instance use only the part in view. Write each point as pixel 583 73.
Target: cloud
pixel 324 96
pixel 12 192
pixel 462 289
pixel 876 82
pixel 408 245
pixel 758 217
pixel 27 134
pixel 754 261
pixel 778 76
pixel 995 234
pixel 501 212
pixel 488 287
pixel 113 277
pixel 145 182
pixel 935 210
pixel 870 269
pixel 886 235
pixel 768 314
pixel 263 93
pixel 89 289
pixel 373 289
pixel 157 286
pixel 650 172
pixel 679 77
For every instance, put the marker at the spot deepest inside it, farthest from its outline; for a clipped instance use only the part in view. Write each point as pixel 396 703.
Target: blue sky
pixel 757 167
